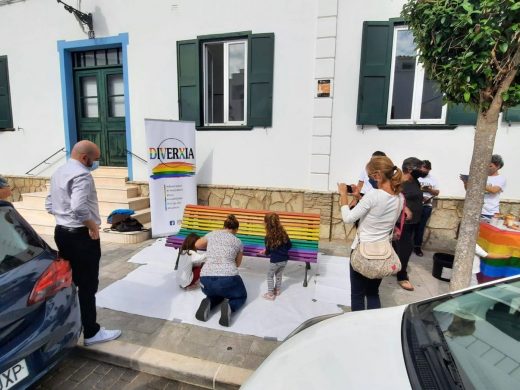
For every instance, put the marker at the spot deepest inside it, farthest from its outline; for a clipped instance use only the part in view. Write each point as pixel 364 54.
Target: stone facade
pixel 440 233
pixel 25 184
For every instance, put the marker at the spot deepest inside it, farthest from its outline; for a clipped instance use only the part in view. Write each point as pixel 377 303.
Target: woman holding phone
pixel 377 212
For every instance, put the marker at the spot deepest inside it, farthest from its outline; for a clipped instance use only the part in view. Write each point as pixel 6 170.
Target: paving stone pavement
pixel 80 373
pixel 243 351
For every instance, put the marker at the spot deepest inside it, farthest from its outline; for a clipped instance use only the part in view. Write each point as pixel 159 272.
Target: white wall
pixel 448 150
pixel 276 157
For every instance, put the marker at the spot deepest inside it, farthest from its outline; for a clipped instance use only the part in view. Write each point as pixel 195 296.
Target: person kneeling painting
pixel 189 263
pixel 219 278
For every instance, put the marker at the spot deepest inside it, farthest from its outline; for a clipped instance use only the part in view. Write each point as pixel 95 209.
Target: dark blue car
pixel 39 310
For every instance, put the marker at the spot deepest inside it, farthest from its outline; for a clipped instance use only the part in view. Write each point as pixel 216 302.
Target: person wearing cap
pixel 496 184
pixel 5 189
pixel 429 187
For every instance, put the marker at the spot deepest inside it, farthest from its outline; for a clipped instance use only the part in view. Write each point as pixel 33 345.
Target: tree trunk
pixel 485 133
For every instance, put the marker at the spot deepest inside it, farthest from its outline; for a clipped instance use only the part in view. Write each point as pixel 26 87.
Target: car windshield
pixel 481 334
pixel 17 244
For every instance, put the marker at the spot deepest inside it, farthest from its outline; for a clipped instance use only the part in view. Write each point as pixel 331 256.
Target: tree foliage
pixel 468 47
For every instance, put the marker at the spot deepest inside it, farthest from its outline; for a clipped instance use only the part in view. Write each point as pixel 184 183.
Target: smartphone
pixel 464 177
pixel 349 189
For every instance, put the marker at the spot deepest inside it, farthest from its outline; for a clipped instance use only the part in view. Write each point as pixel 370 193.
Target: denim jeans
pixel 361 287
pixel 419 228
pixel 216 288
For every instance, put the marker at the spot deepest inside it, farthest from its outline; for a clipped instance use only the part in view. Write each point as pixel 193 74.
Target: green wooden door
pixel 100 112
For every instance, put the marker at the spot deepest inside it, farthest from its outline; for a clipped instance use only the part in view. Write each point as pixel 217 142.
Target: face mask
pixel 372 182
pixel 94 166
pixel 417 173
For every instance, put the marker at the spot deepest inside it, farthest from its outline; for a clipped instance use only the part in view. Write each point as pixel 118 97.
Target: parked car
pixel 39 310
pixel 468 339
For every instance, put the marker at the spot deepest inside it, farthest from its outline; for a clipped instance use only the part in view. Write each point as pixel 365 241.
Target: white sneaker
pixel 102 336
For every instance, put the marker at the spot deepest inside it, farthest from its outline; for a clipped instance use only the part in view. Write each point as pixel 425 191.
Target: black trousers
pixel 421 226
pixel 362 287
pixel 404 248
pixel 84 254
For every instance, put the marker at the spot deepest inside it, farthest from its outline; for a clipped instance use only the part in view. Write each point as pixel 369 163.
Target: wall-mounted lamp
pixel 83 18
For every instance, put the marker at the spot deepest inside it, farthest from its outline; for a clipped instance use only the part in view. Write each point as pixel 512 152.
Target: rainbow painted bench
pixel 302 228
pixel 496 240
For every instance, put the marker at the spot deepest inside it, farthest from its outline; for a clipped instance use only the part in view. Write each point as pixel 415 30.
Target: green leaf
pixel 467 6
pixel 467 96
pixel 515 6
pixel 505 96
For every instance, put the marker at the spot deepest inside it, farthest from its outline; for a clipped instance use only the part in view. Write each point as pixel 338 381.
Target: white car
pixel 469 339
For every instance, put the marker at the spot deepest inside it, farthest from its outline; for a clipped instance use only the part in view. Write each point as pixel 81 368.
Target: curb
pixel 195 371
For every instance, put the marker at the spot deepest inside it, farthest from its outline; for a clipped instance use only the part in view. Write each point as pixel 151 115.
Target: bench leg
pixel 307 267
pixel 177 261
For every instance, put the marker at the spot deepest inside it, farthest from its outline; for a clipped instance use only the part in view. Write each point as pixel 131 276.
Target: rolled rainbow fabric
pixel 504 242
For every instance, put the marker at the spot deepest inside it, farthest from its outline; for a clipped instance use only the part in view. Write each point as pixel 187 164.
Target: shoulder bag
pixel 378 259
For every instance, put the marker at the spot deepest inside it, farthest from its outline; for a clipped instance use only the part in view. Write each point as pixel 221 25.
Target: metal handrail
pixel 45 161
pixel 135 155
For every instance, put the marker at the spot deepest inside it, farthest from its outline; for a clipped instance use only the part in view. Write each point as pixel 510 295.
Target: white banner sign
pixel 172 168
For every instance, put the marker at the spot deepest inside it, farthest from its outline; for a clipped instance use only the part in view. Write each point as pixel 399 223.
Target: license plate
pixel 13 375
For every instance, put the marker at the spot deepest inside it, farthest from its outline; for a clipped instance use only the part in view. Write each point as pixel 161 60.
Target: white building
pixel 169 59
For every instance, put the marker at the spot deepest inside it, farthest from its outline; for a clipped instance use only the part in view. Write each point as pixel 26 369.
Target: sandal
pixel 405 284
pixel 277 291
pixel 269 296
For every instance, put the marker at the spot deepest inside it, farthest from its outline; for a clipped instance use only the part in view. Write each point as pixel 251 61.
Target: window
pixel 6 116
pixel 96 58
pixel 225 78
pixel 225 81
pixel 393 89
pixel 413 98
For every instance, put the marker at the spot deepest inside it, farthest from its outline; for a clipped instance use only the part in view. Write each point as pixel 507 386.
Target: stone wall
pixel 25 184
pixel 440 233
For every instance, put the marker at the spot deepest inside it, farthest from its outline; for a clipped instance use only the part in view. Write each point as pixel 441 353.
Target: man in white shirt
pixel 73 202
pixel 496 184
pixel 429 187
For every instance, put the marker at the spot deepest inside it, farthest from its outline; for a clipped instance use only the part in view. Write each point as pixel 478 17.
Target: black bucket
pixel 441 261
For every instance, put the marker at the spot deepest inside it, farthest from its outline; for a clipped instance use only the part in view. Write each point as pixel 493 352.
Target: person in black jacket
pixel 411 189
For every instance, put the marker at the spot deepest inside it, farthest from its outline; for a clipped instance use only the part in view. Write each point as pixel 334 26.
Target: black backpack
pixel 128 224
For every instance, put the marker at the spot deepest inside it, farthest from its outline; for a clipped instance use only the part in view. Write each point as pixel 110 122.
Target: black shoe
pixel 225 313
pixel 418 251
pixel 203 310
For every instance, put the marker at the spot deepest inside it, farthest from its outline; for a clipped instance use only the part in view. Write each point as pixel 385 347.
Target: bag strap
pixel 397 215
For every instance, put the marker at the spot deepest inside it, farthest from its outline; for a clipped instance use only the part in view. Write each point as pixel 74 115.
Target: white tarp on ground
pixel 151 291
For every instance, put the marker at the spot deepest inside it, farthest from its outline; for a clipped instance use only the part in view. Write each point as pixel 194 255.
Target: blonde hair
pixel 389 172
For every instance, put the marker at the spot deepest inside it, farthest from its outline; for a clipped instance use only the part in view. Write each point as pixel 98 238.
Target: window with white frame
pixel 225 81
pixel 413 98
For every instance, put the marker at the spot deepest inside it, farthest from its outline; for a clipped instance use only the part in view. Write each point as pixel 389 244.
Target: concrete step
pixel 108 194
pixel 111 172
pixel 110 181
pixel 117 237
pixel 43 218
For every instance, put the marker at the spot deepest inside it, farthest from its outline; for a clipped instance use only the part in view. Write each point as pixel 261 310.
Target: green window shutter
pixel 6 116
pixel 461 114
pixel 188 76
pixel 260 80
pixel 512 114
pixel 374 75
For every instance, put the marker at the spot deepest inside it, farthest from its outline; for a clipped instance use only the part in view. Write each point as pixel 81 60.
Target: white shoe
pixel 102 336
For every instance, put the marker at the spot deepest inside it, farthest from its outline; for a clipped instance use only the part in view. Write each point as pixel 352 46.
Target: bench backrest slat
pixel 302 228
